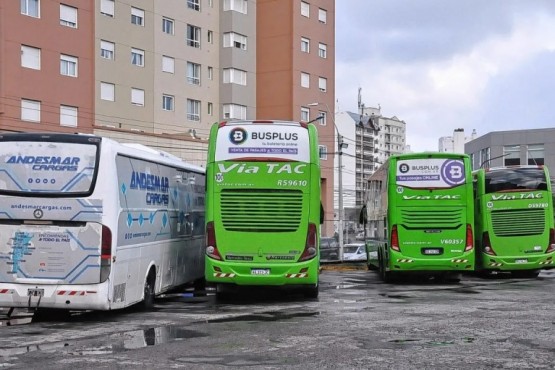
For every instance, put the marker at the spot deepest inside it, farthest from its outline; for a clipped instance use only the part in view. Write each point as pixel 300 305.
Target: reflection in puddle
pixel 266 316
pixel 16 321
pixel 156 336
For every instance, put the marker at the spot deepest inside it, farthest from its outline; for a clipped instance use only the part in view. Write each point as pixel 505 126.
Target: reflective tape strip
pixel 6 291
pixel 223 275
pixel 75 292
pixel 495 264
pixel 550 262
pixel 459 261
pixel 296 275
pixel 405 260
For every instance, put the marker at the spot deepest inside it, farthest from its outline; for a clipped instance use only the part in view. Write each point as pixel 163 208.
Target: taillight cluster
pixel 105 253
pixel 310 248
pixel 211 245
pixel 469 239
pixel 551 246
pixel 395 239
pixel 486 245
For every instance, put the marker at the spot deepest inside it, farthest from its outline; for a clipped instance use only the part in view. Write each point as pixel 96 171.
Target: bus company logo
pixel 238 136
pixel 219 177
pixel 400 189
pixel 489 204
pixel 404 168
pixel 452 172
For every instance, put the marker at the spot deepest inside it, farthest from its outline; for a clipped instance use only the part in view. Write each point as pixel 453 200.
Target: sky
pixel 439 65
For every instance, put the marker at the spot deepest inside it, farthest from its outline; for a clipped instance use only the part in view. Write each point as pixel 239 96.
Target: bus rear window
pixel 47 168
pixel 515 179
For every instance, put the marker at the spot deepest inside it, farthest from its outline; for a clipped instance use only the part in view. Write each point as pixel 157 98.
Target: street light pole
pixel 340 146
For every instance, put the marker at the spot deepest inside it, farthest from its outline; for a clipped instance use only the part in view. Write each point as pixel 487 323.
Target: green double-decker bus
pixel 421 215
pixel 263 206
pixel 514 220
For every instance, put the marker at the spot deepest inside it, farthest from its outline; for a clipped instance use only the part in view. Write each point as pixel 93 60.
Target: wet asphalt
pixel 356 323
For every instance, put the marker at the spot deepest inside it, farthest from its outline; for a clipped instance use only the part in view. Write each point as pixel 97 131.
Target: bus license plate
pixel 260 271
pixel 434 251
pixel 523 260
pixel 35 292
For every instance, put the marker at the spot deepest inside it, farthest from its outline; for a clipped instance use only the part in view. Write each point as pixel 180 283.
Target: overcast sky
pixel 439 65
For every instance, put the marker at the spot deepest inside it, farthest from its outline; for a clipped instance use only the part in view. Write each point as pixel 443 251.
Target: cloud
pixel 442 65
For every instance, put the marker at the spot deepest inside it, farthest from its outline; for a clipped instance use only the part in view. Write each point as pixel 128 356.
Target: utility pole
pixel 340 189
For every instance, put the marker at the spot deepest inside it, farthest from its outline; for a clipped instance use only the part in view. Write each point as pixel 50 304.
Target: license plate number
pixel 522 260
pixel 433 251
pixel 35 292
pixel 260 271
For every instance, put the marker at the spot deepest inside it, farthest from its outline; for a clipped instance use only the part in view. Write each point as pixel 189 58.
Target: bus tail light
pixel 395 239
pixel 310 245
pixel 551 246
pixel 211 246
pixel 105 253
pixel 469 239
pixel 486 245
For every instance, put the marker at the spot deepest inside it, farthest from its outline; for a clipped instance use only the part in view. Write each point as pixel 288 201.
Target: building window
pixel 323 118
pixel 68 116
pixel 107 91
pixel 138 57
pixel 30 57
pixel 305 45
pixel 137 97
pixel 167 102
pixel 193 36
pixel 30 8
pixel 68 65
pixel 235 40
pixel 30 110
pixel 305 80
pixel 167 26
pixel 68 16
pixel 210 73
pixel 235 111
pixel 210 37
pixel 305 9
pixel 193 110
pixel 107 7
pixel 236 5
pixel 210 109
pixel 107 49
pixel 535 154
pixel 235 76
pixel 193 73
pixel 168 64
pixel 511 155
pixel 485 158
pixel 305 114
pixel 322 50
pixel 322 15
pixel 322 84
pixel 137 16
pixel 194 4
pixel 323 152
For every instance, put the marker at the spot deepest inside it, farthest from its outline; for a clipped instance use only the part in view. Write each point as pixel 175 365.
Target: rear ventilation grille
pixel 261 210
pixel 519 222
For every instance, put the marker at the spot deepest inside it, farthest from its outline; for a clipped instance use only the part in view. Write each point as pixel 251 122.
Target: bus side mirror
pixel 321 213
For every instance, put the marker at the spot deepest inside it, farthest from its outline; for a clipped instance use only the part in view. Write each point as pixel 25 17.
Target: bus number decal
pixel 452 241
pixel 538 205
pixel 292 182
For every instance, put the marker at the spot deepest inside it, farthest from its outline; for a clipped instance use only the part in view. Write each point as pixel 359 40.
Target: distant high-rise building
pixel 455 143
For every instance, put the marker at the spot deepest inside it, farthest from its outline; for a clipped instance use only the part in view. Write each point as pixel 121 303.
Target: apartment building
pixel 46 66
pixel 296 74
pixel 161 73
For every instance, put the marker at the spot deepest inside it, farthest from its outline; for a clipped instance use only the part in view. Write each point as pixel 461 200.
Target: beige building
pixel 162 72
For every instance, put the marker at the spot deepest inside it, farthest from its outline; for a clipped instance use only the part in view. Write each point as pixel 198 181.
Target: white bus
pixel 87 223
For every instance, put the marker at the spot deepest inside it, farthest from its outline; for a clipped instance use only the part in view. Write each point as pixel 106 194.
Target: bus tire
pixel 148 298
pixel 526 274
pixel 312 292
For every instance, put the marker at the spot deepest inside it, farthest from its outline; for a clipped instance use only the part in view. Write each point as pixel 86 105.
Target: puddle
pixel 156 336
pixel 266 316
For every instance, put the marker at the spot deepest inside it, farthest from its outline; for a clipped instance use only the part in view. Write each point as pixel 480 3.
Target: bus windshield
pixel 515 179
pixel 45 167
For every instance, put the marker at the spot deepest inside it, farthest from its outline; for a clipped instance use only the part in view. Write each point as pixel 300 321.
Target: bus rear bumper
pixel 515 263
pixel 275 274
pixel 399 262
pixel 69 297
